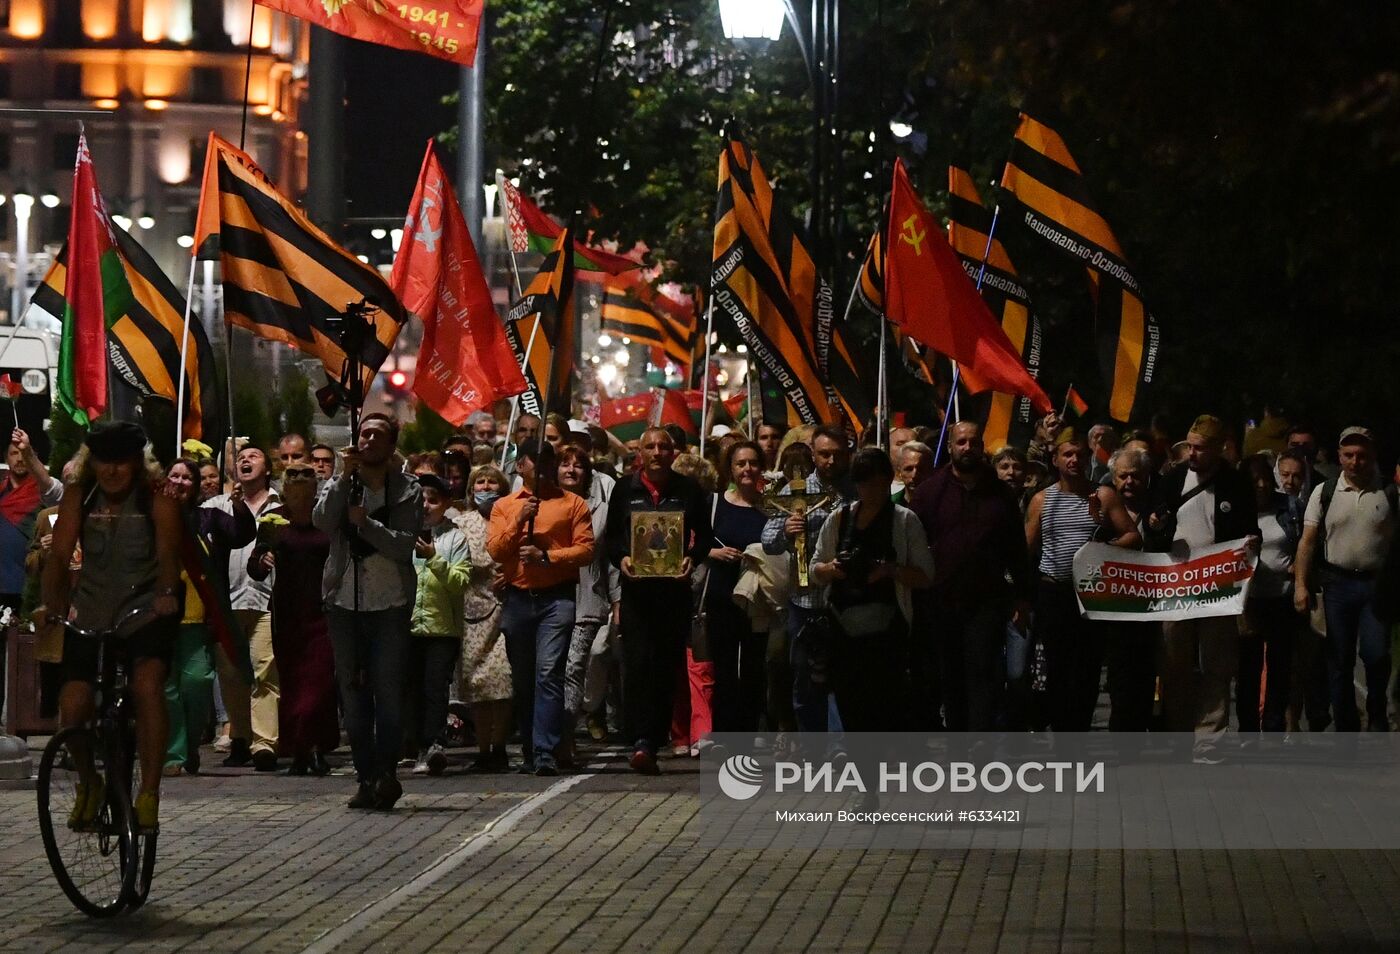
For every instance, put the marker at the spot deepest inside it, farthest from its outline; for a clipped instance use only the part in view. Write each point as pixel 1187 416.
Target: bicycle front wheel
pixel 93 854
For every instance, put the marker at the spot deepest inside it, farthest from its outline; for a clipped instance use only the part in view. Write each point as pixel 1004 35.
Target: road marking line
pixel 479 841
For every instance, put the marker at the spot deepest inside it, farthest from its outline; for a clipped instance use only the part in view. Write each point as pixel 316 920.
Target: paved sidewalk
pixel 611 863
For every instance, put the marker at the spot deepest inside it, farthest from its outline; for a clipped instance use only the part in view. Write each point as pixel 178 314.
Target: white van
pixel 30 357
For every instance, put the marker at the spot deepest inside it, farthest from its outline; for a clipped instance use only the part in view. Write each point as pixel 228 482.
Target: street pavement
pixel 605 860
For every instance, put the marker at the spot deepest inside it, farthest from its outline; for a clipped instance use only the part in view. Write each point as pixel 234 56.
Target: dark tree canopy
pixel 1245 154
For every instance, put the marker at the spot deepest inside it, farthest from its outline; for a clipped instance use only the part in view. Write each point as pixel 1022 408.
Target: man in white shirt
pixel 252 710
pixel 1347 532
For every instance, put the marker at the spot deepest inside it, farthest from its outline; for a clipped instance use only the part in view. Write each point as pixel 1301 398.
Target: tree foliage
pixel 1244 153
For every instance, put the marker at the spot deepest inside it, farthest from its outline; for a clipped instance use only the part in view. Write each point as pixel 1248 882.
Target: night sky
pixel 393 107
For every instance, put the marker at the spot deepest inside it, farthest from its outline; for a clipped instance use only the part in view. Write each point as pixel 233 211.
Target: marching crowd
pixel 554 583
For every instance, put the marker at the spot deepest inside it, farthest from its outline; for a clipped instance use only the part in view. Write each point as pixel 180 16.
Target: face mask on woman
pixel 484 497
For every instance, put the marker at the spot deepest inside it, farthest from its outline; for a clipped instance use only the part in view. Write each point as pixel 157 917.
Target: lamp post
pixel 24 204
pixel 819 42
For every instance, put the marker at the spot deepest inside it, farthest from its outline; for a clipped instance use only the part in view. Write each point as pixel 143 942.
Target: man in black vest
pixel 656 611
pixel 1199 503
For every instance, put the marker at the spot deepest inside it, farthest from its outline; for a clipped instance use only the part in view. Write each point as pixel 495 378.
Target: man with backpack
pixel 1347 533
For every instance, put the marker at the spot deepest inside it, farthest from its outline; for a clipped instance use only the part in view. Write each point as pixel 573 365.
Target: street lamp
pixel 819 43
pixel 752 19
pixel 24 204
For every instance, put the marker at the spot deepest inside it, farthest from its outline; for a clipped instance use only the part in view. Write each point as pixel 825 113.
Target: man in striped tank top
pixel 1061 519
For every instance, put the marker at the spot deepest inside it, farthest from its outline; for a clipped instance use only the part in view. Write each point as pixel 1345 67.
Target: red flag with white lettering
pixel 465 363
pixel 447 29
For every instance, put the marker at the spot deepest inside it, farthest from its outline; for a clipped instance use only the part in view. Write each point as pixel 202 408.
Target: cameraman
pixel 372 513
pixel 871 554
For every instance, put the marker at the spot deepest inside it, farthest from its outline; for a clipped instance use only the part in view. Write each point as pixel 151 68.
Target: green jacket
pixel 442 580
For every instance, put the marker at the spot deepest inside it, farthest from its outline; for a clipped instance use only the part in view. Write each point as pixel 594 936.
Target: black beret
pixel 115 440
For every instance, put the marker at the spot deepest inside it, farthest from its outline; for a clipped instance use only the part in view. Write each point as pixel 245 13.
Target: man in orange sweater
pixel 540 535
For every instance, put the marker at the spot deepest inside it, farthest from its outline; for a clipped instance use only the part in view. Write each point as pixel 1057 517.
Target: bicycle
pixel 104 865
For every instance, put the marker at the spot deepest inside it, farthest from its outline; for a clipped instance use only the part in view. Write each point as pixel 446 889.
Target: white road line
pixel 479 841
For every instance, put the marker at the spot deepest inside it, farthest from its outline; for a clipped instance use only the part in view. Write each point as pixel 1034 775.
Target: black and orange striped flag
pixel 764 280
pixel 633 309
pixel 143 343
pixel 549 303
pixel 284 278
pixel 1010 418
pixel 1054 203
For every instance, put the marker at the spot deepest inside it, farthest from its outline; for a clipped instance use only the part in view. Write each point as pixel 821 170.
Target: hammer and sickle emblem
pixel 912 235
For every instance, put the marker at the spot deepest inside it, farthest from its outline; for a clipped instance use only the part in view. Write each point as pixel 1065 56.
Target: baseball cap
pixel 578 427
pixel 1355 435
pixel 719 430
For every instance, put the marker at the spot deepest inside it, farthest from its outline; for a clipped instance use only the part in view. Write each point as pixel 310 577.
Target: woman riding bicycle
pixel 130 535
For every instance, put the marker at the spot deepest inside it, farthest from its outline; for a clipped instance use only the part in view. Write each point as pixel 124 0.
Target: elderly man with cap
pixel 1347 532
pixel 1197 504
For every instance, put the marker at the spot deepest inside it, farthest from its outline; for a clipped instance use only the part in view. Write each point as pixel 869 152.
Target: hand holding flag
pixel 12 389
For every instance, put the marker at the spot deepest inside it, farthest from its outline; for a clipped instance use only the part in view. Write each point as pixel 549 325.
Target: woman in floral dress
pixel 485 670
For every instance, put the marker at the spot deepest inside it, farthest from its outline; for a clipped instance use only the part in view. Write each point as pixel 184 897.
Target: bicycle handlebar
pixel 112 630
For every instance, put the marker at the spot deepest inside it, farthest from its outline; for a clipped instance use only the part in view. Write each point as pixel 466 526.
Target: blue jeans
pixel 371 658
pixel 1352 625
pixel 537 627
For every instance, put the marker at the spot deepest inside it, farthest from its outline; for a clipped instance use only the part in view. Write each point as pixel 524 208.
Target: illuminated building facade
pixel 148 79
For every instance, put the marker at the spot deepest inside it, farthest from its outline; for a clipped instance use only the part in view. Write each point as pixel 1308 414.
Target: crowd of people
pixel 782 588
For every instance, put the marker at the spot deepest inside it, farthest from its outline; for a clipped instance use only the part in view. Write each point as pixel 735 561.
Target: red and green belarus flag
pixel 96 295
pixel 627 417
pixel 530 229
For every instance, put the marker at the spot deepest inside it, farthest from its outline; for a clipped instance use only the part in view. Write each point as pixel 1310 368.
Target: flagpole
pixel 515 401
pixel 755 417
pixel 1064 408
pixel 184 352
pixel 882 383
pixel 953 406
pixel 705 369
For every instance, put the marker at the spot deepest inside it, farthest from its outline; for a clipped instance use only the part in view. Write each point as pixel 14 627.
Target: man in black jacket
pixel 654 624
pixel 1196 505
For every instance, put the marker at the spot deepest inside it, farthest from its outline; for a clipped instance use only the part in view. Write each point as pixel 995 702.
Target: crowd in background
pixel 782 588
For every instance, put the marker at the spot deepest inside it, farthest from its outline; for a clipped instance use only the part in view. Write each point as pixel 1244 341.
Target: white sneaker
pixel 421 766
pixel 223 743
pixel 435 760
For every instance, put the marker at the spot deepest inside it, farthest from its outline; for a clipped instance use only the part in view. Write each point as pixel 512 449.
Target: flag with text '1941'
pixel 286 280
pixel 931 299
pixel 765 282
pixel 631 308
pixel 465 362
pixel 530 229
pixel 446 29
pixel 545 322
pixel 1053 202
pixel 1009 417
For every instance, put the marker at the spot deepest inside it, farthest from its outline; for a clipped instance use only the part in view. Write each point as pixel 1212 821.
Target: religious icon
pixel 797 502
pixel 657 539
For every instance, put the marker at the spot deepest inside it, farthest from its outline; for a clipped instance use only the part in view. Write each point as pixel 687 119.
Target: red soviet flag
pixel 465 363
pixel 447 29
pixel 931 299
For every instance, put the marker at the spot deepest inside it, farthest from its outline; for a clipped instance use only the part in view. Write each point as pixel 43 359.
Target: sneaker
pixel 420 767
pixel 171 770
pixel 437 760
pixel 526 767
pixel 544 768
pixel 301 765
pixel 680 751
pixel 222 743
pixel 1207 757
pixel 364 796
pixel 239 755
pixel 147 811
pixel 265 760
pixel 597 727
pixel 87 803
pixel 643 763
pixel 386 793
pixel 319 766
